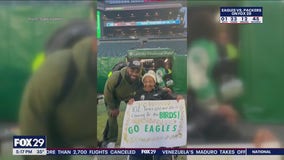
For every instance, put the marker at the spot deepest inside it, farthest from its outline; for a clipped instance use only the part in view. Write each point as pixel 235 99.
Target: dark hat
pixel 135 64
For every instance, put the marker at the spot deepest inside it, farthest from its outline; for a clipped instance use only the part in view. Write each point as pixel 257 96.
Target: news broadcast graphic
pixel 154 124
pixel 29 145
pixel 167 151
pixel 241 15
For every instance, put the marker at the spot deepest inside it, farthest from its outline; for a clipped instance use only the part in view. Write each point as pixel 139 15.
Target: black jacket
pixel 156 94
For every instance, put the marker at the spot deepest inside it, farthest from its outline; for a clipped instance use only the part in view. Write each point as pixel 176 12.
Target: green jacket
pixel 115 92
pixel 202 57
pixel 75 117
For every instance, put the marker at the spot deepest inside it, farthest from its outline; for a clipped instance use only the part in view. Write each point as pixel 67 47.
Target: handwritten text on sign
pixel 154 124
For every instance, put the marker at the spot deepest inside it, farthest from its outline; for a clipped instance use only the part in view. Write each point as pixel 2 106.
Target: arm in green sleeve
pixel 110 100
pixel 38 100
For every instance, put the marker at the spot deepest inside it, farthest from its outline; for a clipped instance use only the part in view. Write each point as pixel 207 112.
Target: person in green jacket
pixel 59 100
pixel 164 75
pixel 120 86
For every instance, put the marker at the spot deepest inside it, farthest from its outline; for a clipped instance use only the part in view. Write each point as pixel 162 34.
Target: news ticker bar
pixel 160 151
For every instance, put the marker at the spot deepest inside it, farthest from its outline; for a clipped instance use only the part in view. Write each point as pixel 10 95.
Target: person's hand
pixel 263 136
pixel 113 112
pixel 167 89
pixel 179 97
pixel 229 113
pixel 131 101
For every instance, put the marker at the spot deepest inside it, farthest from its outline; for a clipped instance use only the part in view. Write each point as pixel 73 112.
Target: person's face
pixel 133 73
pixel 149 83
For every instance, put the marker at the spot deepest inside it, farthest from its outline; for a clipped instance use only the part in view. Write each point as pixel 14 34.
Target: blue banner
pixel 241 11
pixel 265 151
pixel 167 151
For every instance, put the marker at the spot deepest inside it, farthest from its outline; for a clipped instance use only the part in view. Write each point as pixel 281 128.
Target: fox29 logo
pixel 29 142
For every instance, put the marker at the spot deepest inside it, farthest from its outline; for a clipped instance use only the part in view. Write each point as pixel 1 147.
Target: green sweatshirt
pixel 76 116
pixel 114 93
pixel 202 57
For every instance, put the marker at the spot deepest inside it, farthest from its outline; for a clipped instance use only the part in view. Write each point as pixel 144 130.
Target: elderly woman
pixel 150 91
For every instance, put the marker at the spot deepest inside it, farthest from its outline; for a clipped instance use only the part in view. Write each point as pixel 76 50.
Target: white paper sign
pixel 154 124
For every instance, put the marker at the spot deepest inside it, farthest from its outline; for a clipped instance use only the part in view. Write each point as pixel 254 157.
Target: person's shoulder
pixel 201 48
pixel 117 73
pixel 122 72
pixel 57 60
pixel 161 90
pixel 160 69
pixel 59 54
pixel 52 72
pixel 203 43
pixel 83 48
pixel 138 93
pixel 115 76
pixel 140 90
pixel 84 43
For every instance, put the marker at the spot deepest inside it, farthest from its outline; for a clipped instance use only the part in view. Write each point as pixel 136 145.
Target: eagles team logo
pixel 136 63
